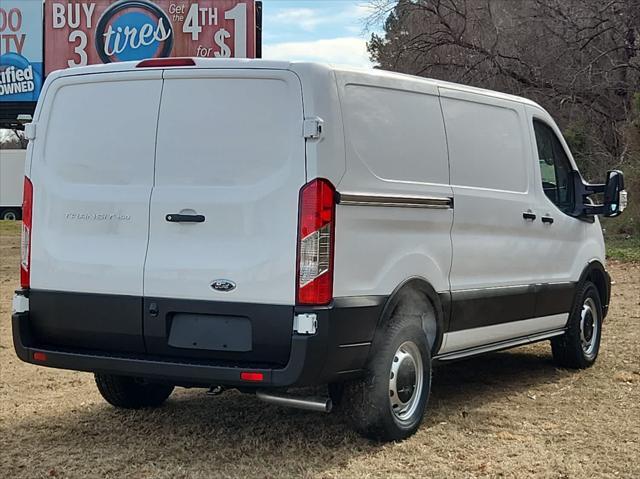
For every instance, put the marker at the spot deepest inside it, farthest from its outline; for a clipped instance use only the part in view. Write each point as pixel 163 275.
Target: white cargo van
pixel 266 225
pixel 11 180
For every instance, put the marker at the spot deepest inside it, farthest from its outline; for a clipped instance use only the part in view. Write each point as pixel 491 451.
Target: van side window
pixel 555 168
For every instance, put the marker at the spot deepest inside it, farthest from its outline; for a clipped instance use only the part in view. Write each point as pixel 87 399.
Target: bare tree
pixel 579 58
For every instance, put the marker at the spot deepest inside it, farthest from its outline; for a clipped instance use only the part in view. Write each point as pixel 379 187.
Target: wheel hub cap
pixel 406 380
pixel 589 327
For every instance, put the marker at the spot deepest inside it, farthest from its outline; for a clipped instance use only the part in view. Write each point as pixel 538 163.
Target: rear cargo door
pixel 92 174
pixel 220 269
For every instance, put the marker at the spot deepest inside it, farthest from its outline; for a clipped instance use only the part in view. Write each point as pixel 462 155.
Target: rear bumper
pixel 338 351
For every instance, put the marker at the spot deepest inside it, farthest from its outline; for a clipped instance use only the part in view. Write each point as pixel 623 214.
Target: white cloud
pixel 345 50
pixel 305 18
pixel 309 19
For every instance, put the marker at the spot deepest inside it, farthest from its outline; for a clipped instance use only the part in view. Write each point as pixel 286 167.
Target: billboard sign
pixel 84 32
pixel 20 50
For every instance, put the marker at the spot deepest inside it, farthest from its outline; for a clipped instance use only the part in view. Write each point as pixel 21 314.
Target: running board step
pixel 533 338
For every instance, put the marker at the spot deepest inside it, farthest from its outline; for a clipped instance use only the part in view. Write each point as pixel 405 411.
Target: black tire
pixel 368 402
pixel 572 350
pixel 132 393
pixel 10 214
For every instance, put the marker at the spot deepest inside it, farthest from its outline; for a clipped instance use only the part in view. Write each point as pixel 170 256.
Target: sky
pixel 331 31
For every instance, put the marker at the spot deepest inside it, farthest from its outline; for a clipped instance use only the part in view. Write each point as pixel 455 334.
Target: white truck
pixel 264 225
pixel 11 180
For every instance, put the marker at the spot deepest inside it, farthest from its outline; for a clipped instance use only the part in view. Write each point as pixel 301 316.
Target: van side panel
pixel 395 145
pixel 490 174
pixel 92 173
pixel 498 262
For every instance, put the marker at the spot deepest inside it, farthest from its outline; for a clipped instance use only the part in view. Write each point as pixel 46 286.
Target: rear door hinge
pixel 312 128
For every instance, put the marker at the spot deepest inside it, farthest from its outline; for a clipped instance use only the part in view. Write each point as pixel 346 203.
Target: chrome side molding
pixel 366 199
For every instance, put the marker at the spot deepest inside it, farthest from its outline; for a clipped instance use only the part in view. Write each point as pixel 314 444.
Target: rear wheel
pixel 578 347
pixel 132 393
pixel 389 403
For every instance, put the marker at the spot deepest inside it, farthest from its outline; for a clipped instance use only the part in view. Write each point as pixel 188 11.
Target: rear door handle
pixel 178 218
pixel 529 216
pixel 547 219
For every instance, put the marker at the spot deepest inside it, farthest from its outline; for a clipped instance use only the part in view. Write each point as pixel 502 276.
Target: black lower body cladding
pixel 201 343
pixel 486 307
pixel 163 339
pixel 81 320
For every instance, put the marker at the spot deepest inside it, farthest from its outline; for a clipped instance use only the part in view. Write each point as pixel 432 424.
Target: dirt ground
pixel 509 414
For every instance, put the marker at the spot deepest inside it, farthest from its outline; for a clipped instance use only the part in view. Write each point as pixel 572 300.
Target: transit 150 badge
pixel 104 31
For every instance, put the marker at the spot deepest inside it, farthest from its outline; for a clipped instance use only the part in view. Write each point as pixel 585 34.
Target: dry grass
pixel 510 414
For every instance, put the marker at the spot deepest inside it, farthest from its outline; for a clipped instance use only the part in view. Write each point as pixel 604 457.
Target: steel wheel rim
pixel 589 327
pixel 406 381
pixel 10 216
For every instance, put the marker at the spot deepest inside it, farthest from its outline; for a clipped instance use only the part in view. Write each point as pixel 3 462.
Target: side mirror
pixel 614 195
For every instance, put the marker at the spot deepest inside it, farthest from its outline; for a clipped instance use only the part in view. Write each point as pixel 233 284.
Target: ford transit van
pixel 267 225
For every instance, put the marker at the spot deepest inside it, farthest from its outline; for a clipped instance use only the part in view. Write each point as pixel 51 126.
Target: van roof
pixel 289 65
pixel 438 83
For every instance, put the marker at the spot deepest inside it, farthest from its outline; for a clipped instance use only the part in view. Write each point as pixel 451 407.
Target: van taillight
pixel 25 246
pixel 316 232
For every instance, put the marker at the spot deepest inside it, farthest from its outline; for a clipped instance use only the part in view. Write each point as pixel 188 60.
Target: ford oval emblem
pixel 223 285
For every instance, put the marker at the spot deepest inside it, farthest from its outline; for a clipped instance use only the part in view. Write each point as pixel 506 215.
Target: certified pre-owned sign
pixel 20 50
pixel 103 31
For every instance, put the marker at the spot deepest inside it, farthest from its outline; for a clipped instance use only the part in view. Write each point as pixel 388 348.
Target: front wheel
pixel 389 403
pixel 578 347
